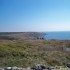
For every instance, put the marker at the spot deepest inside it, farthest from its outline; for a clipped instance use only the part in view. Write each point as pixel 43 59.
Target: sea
pixel 57 35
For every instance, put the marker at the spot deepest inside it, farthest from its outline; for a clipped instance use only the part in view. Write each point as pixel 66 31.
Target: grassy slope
pixel 29 52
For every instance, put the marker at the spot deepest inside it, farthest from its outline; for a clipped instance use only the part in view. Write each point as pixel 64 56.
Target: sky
pixel 34 15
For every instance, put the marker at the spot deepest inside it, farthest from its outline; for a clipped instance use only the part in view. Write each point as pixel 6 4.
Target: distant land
pixel 59 35
pixel 22 35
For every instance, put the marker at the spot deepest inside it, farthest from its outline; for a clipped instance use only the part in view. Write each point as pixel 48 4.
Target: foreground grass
pixel 29 52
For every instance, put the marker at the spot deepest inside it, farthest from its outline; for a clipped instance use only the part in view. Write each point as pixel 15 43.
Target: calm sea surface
pixel 57 35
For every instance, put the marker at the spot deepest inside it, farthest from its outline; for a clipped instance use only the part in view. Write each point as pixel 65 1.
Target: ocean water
pixel 57 35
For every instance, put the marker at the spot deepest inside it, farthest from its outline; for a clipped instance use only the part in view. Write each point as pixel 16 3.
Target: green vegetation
pixel 29 52
pixel 29 48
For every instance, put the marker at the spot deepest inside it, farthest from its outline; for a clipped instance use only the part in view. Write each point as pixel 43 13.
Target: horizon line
pixel 30 31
